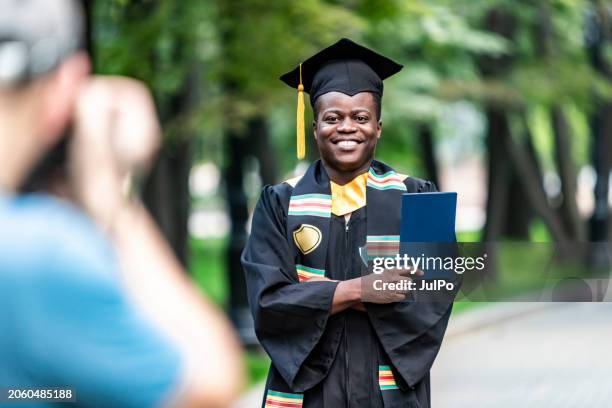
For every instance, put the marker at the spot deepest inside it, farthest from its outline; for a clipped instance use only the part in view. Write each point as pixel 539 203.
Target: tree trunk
pixel 518 215
pixel 508 214
pixel 499 171
pixel 543 34
pixel 88 41
pixel 166 195
pixel 166 192
pixel 238 145
pixel 259 139
pixel 253 140
pixel 601 128
pixel 525 164
pixel 567 173
pixel 239 213
pixel 598 32
pixel 428 155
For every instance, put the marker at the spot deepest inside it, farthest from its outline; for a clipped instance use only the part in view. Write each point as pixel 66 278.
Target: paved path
pixel 558 356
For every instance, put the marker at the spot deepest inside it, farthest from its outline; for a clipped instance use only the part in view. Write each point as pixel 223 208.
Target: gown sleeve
pixel 290 317
pixel 411 333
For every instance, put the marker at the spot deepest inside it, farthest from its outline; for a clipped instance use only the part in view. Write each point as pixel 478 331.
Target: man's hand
pixel 116 135
pixel 359 306
pixel 375 287
pixel 354 293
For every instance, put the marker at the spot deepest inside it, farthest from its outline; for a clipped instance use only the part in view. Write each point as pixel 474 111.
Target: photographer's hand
pixel 116 134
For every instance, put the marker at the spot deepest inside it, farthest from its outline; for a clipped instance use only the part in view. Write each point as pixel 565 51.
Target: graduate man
pixel 330 346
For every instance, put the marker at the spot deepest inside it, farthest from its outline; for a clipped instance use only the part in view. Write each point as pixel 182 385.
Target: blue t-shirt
pixel 64 318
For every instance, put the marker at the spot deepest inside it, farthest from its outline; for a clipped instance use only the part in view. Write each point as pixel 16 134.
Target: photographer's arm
pixel 160 287
pixel 116 133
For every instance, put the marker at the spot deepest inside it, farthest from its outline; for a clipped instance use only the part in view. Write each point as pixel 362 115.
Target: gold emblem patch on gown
pixel 307 238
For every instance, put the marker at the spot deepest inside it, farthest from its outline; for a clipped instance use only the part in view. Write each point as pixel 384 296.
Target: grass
pixel 463 305
pixel 207 266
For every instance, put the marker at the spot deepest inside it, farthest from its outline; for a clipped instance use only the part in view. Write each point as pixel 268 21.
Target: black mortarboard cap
pixel 345 67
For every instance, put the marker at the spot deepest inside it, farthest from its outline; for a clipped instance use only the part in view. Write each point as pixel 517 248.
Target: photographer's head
pixel 41 70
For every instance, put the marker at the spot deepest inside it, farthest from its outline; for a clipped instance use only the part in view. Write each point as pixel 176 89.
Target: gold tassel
pixel 301 138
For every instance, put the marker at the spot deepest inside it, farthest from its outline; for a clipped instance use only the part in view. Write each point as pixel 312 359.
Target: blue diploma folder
pixel 428 217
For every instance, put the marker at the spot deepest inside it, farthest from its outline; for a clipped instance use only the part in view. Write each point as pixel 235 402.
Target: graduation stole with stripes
pixel 309 216
pixel 308 225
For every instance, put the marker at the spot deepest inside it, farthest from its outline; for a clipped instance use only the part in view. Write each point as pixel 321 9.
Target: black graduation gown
pixel 334 360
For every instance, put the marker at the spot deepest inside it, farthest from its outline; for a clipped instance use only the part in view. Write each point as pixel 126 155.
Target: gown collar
pixel 350 196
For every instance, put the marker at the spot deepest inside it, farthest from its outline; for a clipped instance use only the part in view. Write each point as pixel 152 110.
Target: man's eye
pixel 331 119
pixel 362 118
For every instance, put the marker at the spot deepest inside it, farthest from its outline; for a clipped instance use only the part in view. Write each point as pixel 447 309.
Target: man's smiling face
pixel 346 129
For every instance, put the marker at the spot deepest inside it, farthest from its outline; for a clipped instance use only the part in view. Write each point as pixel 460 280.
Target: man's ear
pixel 379 129
pixel 314 129
pixel 59 95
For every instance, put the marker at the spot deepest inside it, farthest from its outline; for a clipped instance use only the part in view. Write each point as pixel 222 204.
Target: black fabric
pixel 290 318
pixel 334 360
pixel 345 67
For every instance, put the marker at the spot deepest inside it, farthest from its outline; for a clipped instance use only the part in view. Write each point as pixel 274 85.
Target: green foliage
pixel 154 41
pixel 262 39
pixel 227 56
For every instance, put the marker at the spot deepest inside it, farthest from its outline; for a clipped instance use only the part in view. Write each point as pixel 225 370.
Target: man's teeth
pixel 347 143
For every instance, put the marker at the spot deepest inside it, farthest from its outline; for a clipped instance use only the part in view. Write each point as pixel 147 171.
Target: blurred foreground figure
pixel 91 297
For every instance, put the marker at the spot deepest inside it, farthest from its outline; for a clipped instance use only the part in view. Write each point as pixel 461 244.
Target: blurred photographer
pixel 91 297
